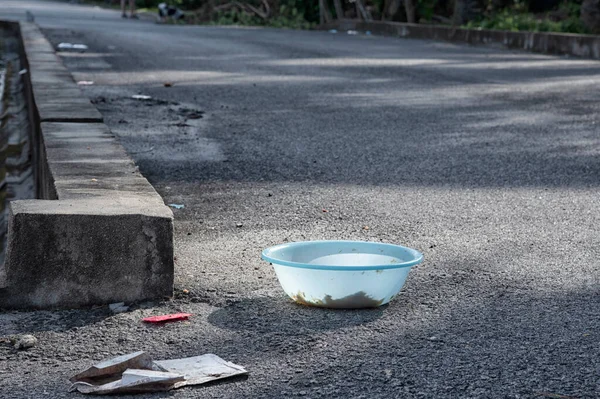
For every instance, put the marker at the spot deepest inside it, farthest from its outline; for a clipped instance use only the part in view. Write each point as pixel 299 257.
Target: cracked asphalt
pixel 485 160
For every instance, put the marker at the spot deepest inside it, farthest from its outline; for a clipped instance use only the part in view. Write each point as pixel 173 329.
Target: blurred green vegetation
pixel 514 15
pixel 563 18
pixel 290 14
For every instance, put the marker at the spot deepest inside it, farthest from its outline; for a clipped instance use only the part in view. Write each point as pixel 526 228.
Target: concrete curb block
pixel 99 232
pixel 587 46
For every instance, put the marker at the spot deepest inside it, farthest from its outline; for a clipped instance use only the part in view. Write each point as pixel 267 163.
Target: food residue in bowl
pixel 354 301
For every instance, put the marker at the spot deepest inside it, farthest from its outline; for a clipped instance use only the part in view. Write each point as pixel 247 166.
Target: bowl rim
pixel 267 256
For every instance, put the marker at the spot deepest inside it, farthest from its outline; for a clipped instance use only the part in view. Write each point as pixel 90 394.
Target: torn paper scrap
pixel 200 369
pixel 136 372
pixel 111 369
pixel 133 381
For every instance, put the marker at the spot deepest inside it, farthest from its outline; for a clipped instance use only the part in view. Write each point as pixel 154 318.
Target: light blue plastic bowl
pixel 342 274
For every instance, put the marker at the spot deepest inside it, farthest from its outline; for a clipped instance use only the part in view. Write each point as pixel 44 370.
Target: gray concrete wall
pixel 540 42
pixel 16 171
pixel 99 232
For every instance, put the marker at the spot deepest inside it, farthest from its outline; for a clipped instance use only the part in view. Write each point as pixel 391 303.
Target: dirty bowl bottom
pixel 341 289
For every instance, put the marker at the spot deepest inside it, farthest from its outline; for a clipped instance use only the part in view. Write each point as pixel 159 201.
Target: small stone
pixel 22 342
pixel 239 224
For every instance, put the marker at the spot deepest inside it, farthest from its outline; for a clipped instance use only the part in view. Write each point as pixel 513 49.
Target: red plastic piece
pixel 167 318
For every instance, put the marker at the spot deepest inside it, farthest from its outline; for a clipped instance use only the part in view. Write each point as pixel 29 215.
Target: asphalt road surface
pixel 486 160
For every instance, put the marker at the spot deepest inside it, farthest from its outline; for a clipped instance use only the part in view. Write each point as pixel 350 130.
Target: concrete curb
pixel 587 46
pixel 99 232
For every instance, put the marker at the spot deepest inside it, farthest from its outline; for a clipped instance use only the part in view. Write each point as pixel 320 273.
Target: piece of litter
pixel 333 31
pixel 325 211
pixel 94 180
pixel 132 381
pixel 116 365
pixel 23 71
pixel 200 369
pixel 166 11
pixel 365 227
pixel 177 206
pixel 85 83
pixel 167 318
pixel 239 225
pixel 22 342
pixel 118 307
pixel 168 84
pixel 137 372
pixel 368 33
pixel 186 291
pixel 141 152
pixel 141 97
pixel 352 32
pixel 131 375
pixel 71 46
